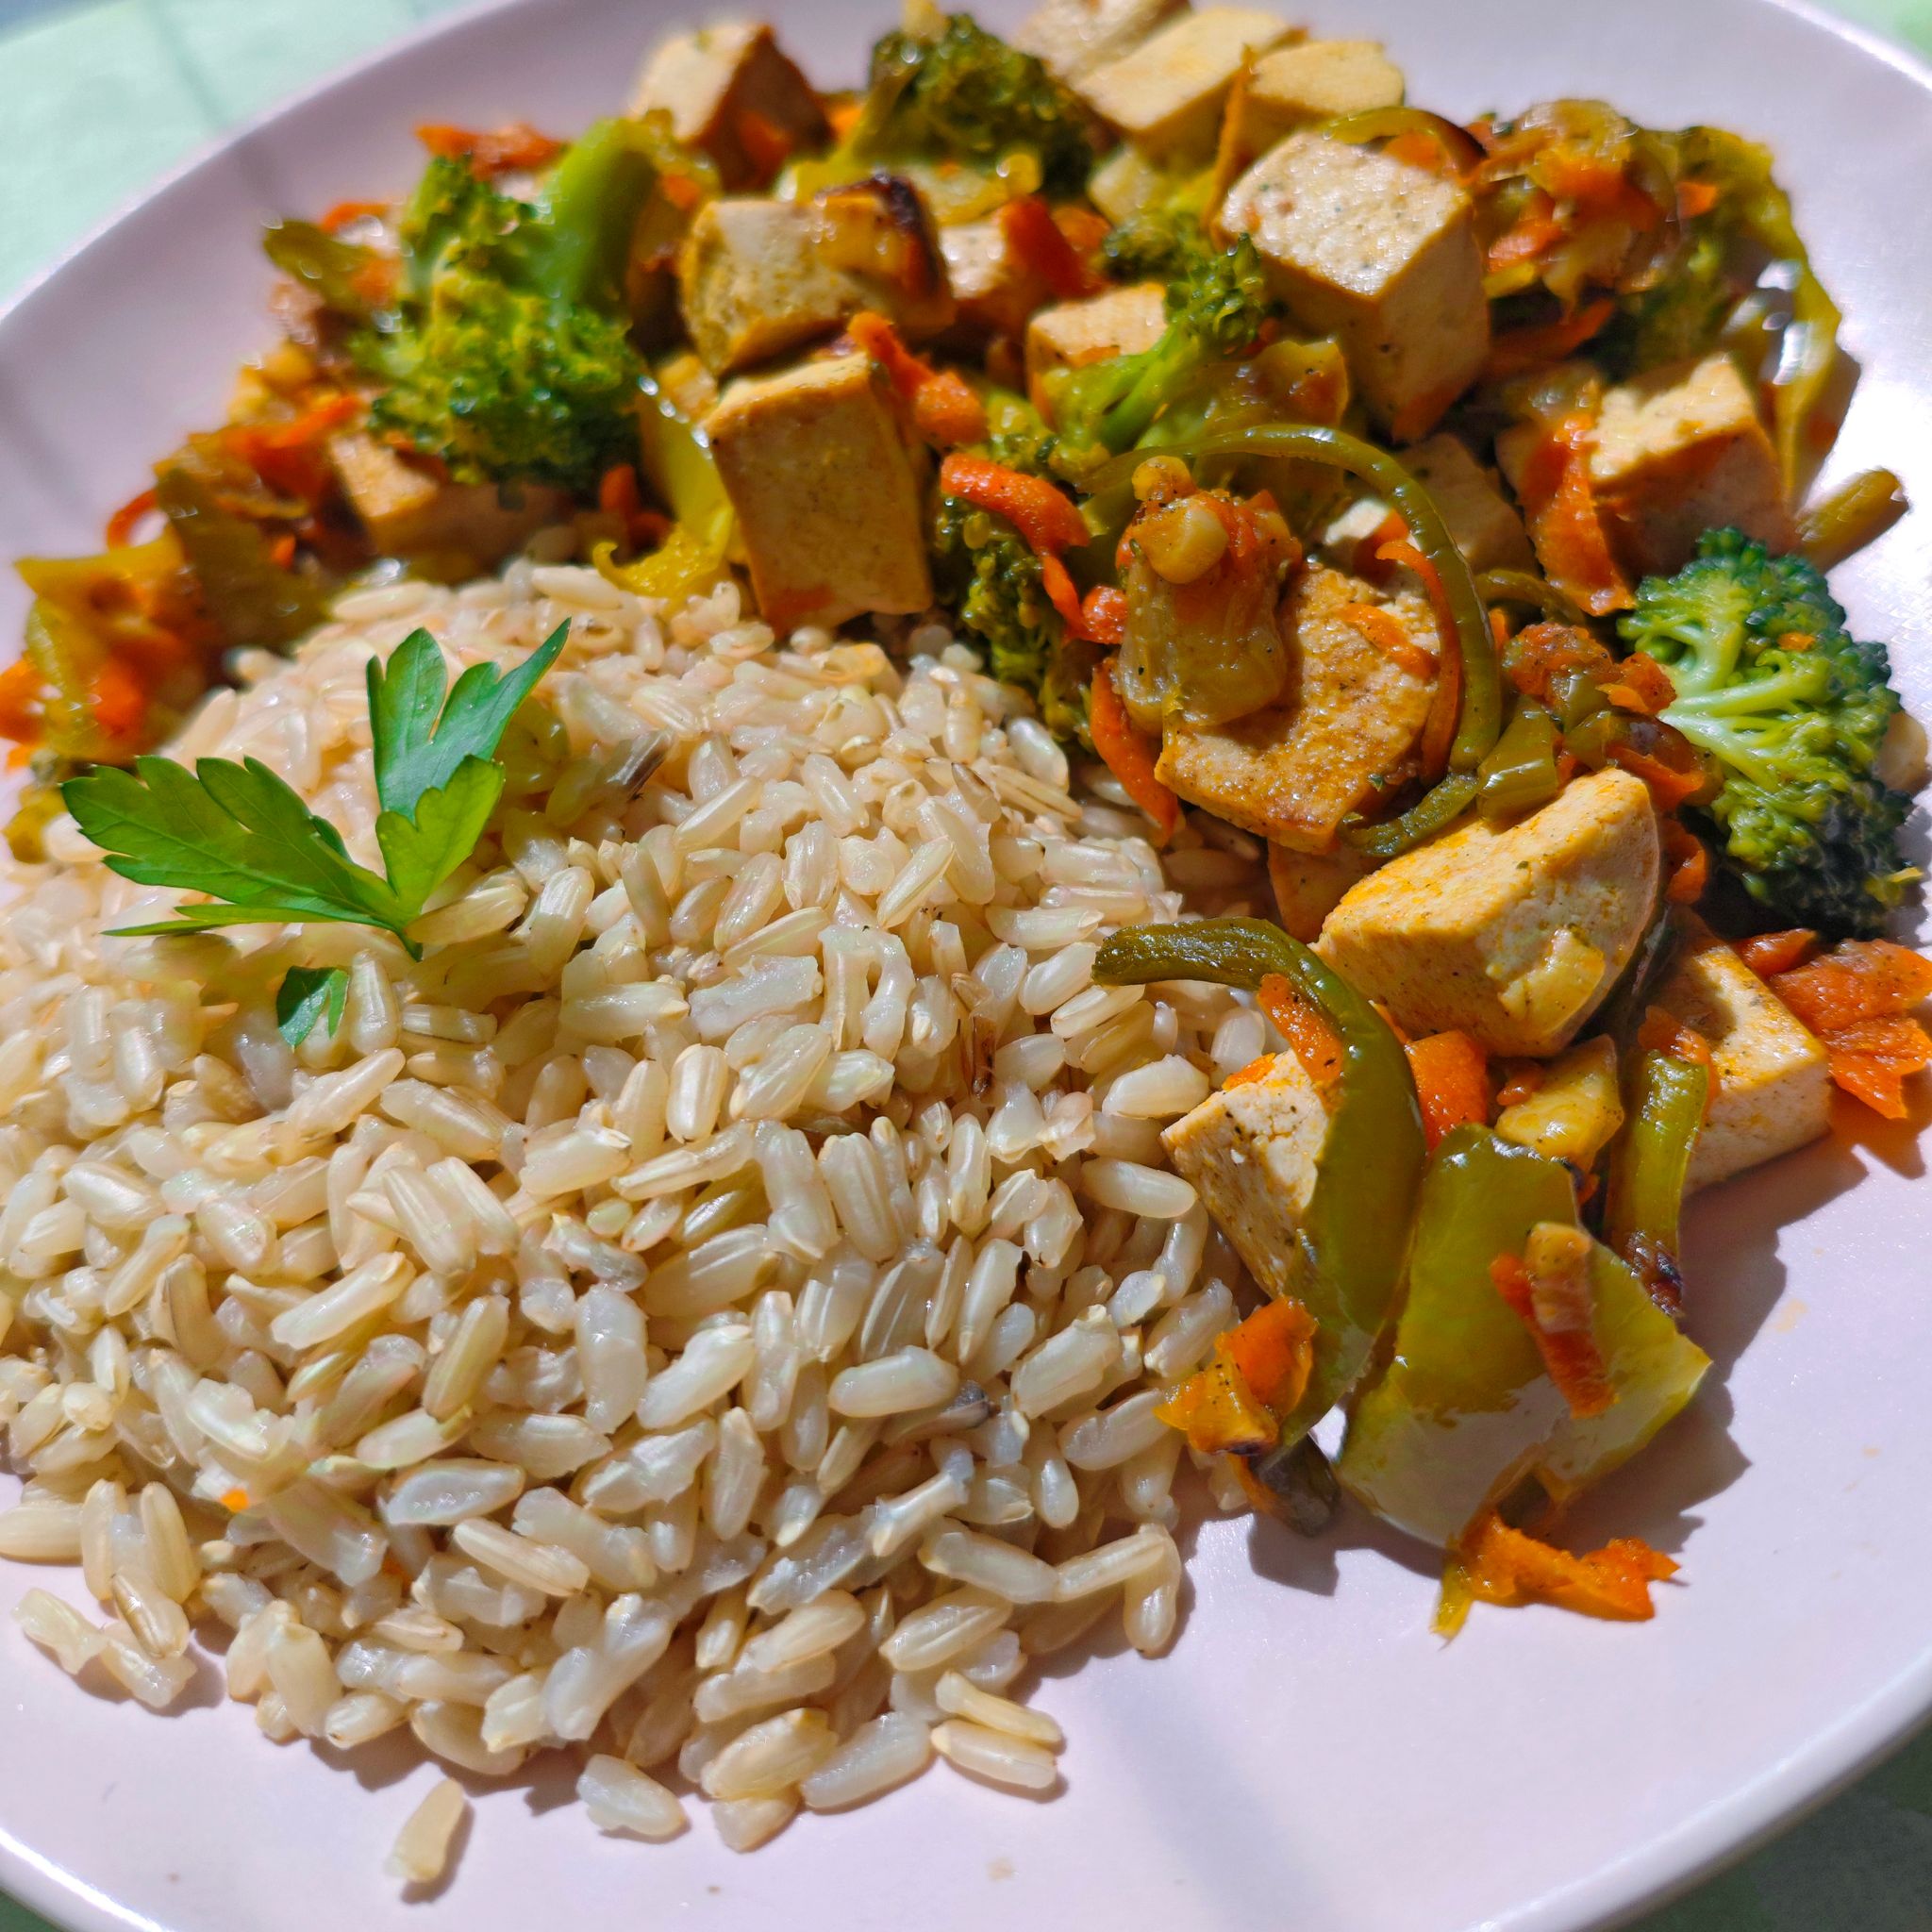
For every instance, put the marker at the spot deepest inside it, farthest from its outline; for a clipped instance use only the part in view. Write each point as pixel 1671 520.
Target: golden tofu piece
pixel 1253 1151
pixel 406 511
pixel 1318 81
pixel 1515 933
pixel 1070 335
pixel 828 490
pixel 1309 885
pixel 997 292
pixel 1073 37
pixel 1574 1114
pixel 1166 96
pixel 1484 524
pixel 1125 183
pixel 731 92
pixel 1772 1087
pixel 1380 254
pixel 757 277
pixel 1340 736
pixel 692 387
pixel 1681 450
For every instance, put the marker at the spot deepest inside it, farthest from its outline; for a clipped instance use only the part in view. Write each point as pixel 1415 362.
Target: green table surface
pixel 144 82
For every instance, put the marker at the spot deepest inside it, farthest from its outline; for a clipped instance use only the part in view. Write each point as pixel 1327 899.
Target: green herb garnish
pixel 308 995
pixel 242 836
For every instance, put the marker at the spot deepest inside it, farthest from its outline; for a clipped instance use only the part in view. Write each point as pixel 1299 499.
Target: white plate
pixel 1309 1755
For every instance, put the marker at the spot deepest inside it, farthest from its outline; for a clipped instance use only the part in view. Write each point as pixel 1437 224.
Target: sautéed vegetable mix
pixel 1149 749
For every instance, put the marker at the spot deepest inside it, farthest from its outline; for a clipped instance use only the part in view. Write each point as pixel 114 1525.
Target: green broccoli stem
pixel 1800 684
pixel 1479 718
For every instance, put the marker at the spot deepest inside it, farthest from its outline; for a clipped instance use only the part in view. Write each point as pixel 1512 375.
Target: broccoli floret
pixel 1216 305
pixel 969 97
pixel 1167 239
pixel 507 356
pixel 990 581
pixel 1794 710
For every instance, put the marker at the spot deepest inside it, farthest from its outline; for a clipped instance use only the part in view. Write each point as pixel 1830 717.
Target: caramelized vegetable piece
pixel 1452 1080
pixel 1858 999
pixel 1130 753
pixel 1495 1564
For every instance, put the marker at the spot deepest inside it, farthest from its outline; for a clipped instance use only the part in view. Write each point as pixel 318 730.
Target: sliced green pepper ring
pixel 1354 1239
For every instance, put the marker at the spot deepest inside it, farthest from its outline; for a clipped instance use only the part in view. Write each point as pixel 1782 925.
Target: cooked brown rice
pixel 705 1316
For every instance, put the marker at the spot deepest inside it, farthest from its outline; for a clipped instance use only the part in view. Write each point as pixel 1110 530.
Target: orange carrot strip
pixel 1768 954
pixel 1452 1080
pixel 1571 1357
pixel 1274 1350
pixel 1128 753
pixel 1501 1565
pixel 1439 728
pixel 1242 1076
pixel 1872 1060
pixel 1565 522
pixel 21 694
pixel 1521 1079
pixel 1690 863
pixel 1639 683
pixel 1104 612
pixel 1043 516
pixel 1384 630
pixel 1861 979
pixel 1306 1029
pixel 1669 787
pixel 1521 349
pixel 1695 198
pixel 343 212
pixel 1039 243
pixel 120 525
pixel 1663 1032
pixel 502 151
pixel 1058 582
pixel 945 411
pixel 1217 1411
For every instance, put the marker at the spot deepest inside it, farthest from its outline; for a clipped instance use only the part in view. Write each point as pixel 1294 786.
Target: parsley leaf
pixel 242 836
pixel 420 741
pixel 307 994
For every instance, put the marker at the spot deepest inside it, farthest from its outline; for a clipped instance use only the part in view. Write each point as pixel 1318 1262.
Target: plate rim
pixel 1722 1833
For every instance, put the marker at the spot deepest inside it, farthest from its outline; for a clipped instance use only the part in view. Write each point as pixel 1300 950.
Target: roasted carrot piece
pixel 1501 1565
pixel 1308 1032
pixel 1044 516
pixel 1769 954
pixel 1128 753
pixel 1452 1081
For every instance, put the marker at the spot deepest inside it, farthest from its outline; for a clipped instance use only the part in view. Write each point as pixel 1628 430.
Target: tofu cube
pixel 1484 524
pixel 1515 933
pixel 1166 96
pixel 1379 254
pixel 1309 885
pixel 1342 735
pixel 406 511
pixel 997 292
pixel 759 277
pixel 1073 37
pixel 731 92
pixel 1319 80
pixel 1681 450
pixel 1125 183
pixel 1252 1152
pixel 829 492
pixel 1070 335
pixel 1772 1087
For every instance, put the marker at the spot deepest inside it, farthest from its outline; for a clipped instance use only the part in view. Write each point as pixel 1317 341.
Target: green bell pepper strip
pixel 1522 587
pixel 1521 774
pixel 1465 1410
pixel 1480 718
pixel 1649 1165
pixel 1629 1001
pixel 1435 812
pixel 1356 1235
pixel 677 464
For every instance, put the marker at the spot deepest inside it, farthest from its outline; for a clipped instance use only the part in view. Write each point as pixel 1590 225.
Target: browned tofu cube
pixel 1123 322
pixel 1319 80
pixel 1513 934
pixel 996 290
pixel 1125 183
pixel 1382 255
pixel 1681 450
pixel 1073 37
pixel 407 510
pixel 759 277
pixel 731 92
pixel 1341 736
pixel 828 490
pixel 1309 885
pixel 692 387
pixel 1166 96
pixel 1483 523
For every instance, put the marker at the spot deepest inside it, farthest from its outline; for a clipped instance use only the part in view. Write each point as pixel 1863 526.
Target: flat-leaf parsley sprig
pixel 242 836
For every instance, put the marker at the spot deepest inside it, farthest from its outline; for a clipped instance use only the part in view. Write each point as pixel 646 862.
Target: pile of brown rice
pixel 707 1316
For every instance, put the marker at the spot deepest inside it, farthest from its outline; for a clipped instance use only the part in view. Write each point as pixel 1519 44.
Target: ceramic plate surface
pixel 1309 1756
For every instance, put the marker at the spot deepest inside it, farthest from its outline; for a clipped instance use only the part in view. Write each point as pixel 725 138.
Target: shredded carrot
pixel 293 455
pixel 1367 561
pixel 1452 1080
pixel 1306 1029
pixel 766 145
pixel 1439 728
pixel 1247 1076
pixel 1565 522
pixel 1039 244
pixel 1873 1059
pixel 1501 1565
pixel 1128 753
pixel 1274 1350
pixel 1384 630
pixel 1535 233
pixel 1518 350
pixel 1641 684
pixel 502 151
pixel 1695 198
pixel 1690 863
pixel 945 411
pixel 1044 517
pixel 1669 787
pixel 1860 980
pixel 1521 1079
pixel 343 212
pixel 1571 1357
pixel 1061 593
pixel 1663 1032
pixel 1104 615
pixel 1771 953
pixel 123 523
